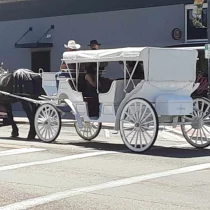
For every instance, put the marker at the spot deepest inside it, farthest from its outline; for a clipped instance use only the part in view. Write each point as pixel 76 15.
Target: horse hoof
pixel 14 134
pixel 31 137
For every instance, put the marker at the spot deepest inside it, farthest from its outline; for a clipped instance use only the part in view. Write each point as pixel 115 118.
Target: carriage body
pixel 168 83
pixel 136 107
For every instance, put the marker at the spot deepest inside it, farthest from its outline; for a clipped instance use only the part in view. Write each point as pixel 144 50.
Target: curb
pixel 65 123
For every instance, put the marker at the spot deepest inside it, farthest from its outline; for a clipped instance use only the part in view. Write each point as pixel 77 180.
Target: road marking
pixel 55 160
pixel 30 203
pixel 20 151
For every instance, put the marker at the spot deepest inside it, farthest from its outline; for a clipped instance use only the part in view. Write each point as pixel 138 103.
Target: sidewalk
pixel 65 122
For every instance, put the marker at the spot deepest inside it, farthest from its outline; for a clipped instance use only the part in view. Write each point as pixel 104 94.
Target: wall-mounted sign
pixel 176 33
pixel 207 51
pixel 197 14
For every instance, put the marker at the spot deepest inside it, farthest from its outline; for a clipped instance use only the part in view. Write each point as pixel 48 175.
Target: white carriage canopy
pixel 160 64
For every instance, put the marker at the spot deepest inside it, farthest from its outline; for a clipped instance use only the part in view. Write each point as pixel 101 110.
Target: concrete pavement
pixel 74 174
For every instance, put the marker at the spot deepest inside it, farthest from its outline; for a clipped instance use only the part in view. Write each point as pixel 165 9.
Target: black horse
pixel 25 83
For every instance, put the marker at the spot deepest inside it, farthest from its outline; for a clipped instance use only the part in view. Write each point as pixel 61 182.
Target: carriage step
pixel 114 132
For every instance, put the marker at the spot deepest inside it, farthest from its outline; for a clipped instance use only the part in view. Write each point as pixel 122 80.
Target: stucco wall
pixel 138 27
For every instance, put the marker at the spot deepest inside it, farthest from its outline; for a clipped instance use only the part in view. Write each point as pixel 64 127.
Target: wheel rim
pixel 198 134
pixel 138 125
pixel 89 130
pixel 47 122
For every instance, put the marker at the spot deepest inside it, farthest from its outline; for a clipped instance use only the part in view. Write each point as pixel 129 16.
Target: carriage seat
pixel 115 94
pixel 49 83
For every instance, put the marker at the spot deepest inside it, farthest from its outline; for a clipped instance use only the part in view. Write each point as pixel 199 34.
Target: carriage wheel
pixel 198 133
pixel 47 123
pixel 139 125
pixel 89 131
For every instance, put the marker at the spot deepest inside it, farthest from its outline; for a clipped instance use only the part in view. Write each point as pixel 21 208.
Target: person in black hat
pixel 94 45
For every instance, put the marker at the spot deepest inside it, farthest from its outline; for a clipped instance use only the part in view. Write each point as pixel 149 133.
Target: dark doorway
pixel 40 59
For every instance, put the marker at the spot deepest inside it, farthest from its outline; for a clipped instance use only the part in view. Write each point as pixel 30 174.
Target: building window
pixel 193 33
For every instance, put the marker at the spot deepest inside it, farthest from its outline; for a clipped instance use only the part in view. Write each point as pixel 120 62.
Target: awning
pixel 37 44
pixel 190 44
pixel 34 45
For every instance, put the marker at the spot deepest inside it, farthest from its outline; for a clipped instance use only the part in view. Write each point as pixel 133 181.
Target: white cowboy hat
pixel 72 45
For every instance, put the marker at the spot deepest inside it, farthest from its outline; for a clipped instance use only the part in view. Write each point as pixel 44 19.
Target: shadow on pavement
pixel 159 151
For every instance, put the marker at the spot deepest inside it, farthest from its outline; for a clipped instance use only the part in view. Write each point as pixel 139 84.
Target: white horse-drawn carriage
pixel 137 107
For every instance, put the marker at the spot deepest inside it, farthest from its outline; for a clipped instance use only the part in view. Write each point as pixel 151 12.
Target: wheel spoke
pixel 147 133
pixel 206 110
pixel 133 137
pixel 140 108
pixel 126 121
pixel 140 134
pixel 137 136
pixel 196 141
pixel 201 137
pixel 193 133
pixel 133 120
pixel 128 128
pixel 146 117
pixel 142 116
pixel 188 118
pixel 189 130
pixel 206 129
pixel 151 121
pixel 147 128
pixel 129 108
pixel 130 133
pixel 204 134
pixel 145 139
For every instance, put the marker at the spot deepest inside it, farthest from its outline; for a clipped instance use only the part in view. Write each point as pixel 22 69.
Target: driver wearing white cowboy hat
pixel 70 46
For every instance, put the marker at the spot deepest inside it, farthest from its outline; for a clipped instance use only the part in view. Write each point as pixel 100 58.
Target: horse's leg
pixel 15 132
pixel 30 109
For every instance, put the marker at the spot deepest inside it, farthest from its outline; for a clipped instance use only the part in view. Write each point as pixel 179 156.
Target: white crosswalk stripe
pixel 20 151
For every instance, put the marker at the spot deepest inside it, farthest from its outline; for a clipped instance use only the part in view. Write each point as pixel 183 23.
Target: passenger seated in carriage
pixel 90 91
pixel 138 74
pixel 71 46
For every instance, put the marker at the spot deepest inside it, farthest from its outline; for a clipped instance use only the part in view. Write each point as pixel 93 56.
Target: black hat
pixel 92 42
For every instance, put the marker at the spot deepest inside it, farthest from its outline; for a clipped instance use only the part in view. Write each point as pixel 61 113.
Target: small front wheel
pixel 47 123
pixel 89 131
pixel 139 125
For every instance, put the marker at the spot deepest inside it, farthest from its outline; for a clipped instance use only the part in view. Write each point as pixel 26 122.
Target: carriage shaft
pixel 21 97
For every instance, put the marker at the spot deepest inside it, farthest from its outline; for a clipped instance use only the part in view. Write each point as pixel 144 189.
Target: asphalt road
pixel 72 174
